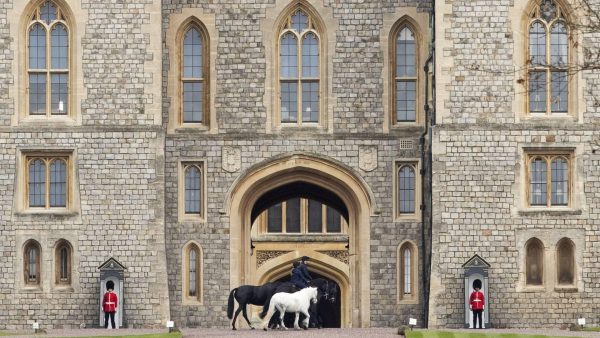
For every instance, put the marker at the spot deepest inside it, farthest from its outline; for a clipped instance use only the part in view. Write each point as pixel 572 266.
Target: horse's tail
pixel 265 309
pixel 230 304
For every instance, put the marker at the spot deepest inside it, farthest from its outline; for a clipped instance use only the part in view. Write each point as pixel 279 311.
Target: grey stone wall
pixel 478 182
pixel 118 171
pixel 357 83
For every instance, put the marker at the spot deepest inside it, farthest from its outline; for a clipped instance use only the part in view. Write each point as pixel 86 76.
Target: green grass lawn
pixel 443 334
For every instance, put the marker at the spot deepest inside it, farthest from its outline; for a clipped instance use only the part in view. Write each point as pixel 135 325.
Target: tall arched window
pixel 62 259
pixel 548 62
pixel 299 69
pixel 405 75
pixel 47 182
pixel 302 215
pixel 534 262
pixel 549 177
pixel 194 75
pixel 193 189
pixel 32 263
pixel 406 189
pixel 566 262
pixel 407 271
pixel 193 272
pixel 48 68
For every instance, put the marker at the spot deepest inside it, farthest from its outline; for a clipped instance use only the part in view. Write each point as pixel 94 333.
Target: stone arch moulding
pixel 323 172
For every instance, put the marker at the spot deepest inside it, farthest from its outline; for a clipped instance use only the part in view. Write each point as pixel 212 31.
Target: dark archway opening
pixel 329 312
pixel 298 190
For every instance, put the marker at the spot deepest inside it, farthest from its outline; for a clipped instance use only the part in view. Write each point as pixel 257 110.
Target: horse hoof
pixel 305 328
pixel 233 328
pixel 251 328
pixel 265 329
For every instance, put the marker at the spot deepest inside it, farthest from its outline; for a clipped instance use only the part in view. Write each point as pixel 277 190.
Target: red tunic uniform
pixel 109 302
pixel 476 301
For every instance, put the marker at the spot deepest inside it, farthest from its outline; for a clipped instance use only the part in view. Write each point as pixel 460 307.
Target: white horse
pixel 291 302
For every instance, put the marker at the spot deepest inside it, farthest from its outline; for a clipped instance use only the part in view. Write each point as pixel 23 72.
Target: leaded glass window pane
pixel 37 47
pixel 289 102
pixel 537 92
pixel 406 190
pixel 406 54
pixel 292 215
pixel 558 45
pixel 310 56
pixel 299 21
pixel 37 94
pixel 559 93
pixel 560 181
pixel 192 273
pixel 58 184
pixel 315 214
pixel 193 190
pixel 538 183
pixel 32 255
pixel 407 271
pixel 310 101
pixel 60 47
pixel 48 12
pixel 334 220
pixel 193 101
pixel 289 56
pixel 37 184
pixel 60 92
pixel 192 54
pixel 537 44
pixel 406 100
pixel 64 263
pixel 274 219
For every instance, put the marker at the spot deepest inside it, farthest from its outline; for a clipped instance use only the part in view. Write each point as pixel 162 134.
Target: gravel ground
pixel 291 333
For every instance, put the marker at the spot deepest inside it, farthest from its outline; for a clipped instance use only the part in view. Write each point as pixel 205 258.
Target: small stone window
pixel 549 180
pixel 192 272
pixel 194 75
pixel 48 62
pixel 548 61
pixel 565 250
pixel 407 272
pixel 302 216
pixel 192 191
pixel 32 263
pixel 48 182
pixel 406 189
pixel 534 262
pixel 62 259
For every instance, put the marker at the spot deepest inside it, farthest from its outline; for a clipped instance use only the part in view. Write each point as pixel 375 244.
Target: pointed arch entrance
pixel 348 265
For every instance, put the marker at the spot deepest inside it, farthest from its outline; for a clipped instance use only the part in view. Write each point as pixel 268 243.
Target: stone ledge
pixel 550 212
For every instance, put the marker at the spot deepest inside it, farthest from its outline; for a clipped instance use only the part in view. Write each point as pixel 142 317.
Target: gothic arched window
pixel 548 62
pixel 194 75
pixel 192 272
pixel 48 62
pixel 193 189
pixel 32 262
pixel 405 75
pixel 407 271
pixel 299 69
pixel 62 259
pixel 534 262
pixel 47 182
pixel 549 180
pixel 566 262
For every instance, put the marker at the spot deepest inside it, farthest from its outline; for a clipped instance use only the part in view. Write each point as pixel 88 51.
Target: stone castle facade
pixel 203 145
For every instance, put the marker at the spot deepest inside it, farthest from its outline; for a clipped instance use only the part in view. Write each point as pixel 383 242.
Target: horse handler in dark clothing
pixel 297 278
pixel 304 269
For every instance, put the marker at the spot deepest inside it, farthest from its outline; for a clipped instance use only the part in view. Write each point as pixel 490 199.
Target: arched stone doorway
pixel 249 266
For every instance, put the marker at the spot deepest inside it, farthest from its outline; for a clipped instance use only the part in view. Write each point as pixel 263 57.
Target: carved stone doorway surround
pixel 353 277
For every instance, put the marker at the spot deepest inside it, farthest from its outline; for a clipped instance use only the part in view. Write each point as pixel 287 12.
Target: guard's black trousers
pixel 477 315
pixel 112 320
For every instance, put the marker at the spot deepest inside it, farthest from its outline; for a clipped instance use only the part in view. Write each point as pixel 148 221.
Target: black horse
pixel 326 291
pixel 250 294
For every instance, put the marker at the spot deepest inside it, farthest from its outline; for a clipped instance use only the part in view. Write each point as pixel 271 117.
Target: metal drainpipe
pixel 427 173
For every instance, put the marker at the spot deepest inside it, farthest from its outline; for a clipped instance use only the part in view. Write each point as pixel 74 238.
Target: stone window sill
pixel 32 289
pixel 191 302
pixel 47 212
pixel 192 128
pixel 549 212
pixel 533 288
pixel 64 289
pixel 566 288
pixel 53 120
pixel 408 301
pixel 190 219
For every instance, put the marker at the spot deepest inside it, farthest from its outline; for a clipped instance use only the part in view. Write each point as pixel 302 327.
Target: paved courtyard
pixel 313 333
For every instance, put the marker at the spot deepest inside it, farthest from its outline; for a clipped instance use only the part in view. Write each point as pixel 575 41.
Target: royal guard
pixel 109 304
pixel 477 305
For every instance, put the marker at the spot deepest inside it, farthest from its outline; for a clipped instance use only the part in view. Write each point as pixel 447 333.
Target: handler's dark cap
pixel 305 258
